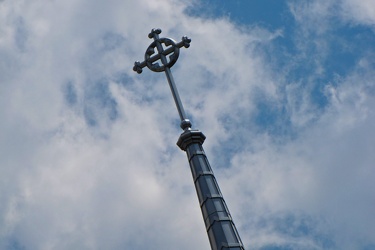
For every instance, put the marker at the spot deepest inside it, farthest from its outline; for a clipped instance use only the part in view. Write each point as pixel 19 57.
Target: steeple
pixel 221 230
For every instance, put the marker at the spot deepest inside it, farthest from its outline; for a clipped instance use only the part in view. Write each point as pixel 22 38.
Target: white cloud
pixel 361 12
pixel 316 14
pixel 89 159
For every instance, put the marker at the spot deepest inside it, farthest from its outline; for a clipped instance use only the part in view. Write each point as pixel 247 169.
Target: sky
pixel 283 90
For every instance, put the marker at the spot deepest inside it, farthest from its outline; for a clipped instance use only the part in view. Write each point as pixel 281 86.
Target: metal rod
pixel 176 96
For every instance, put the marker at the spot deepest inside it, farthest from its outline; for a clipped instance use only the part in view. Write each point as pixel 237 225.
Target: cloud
pixel 362 12
pixel 89 159
pixel 309 190
pixel 320 179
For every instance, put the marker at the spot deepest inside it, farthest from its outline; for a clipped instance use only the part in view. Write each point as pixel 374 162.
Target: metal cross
pixel 165 47
pixel 220 227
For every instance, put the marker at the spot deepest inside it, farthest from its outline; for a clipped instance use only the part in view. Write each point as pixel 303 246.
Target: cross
pixel 165 47
pixel 220 227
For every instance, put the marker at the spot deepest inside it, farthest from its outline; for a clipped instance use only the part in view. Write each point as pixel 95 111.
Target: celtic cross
pixel 220 227
pixel 167 52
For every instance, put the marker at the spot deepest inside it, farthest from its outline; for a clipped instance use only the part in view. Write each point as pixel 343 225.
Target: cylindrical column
pixel 221 230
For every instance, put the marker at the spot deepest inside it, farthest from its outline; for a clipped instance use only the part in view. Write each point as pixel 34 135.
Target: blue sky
pixel 283 90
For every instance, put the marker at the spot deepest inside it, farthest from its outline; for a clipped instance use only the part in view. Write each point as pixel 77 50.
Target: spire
pixel 222 232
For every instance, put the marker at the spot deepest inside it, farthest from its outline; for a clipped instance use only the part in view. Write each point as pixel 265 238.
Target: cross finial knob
pixel 154 33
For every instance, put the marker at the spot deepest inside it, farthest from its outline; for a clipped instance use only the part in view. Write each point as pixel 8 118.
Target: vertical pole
pixel 220 227
pixel 176 96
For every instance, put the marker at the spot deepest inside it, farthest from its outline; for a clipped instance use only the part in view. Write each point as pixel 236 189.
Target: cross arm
pixel 138 66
